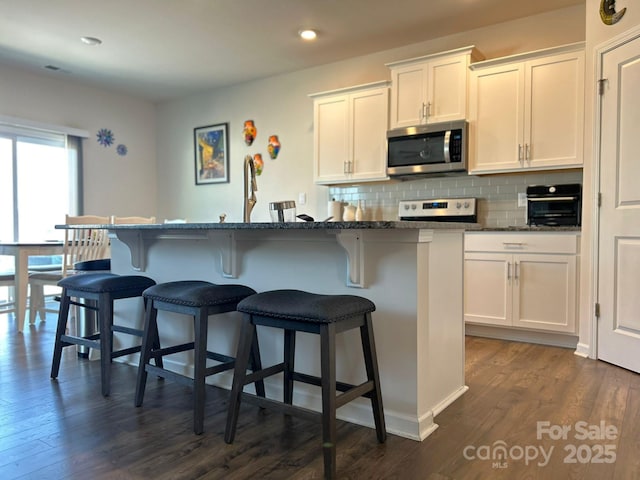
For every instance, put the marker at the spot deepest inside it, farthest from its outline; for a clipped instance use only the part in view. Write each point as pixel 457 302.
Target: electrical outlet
pixel 522 199
pixel 302 198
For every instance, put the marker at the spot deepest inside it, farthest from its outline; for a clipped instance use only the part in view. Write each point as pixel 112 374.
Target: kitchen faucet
pixel 249 183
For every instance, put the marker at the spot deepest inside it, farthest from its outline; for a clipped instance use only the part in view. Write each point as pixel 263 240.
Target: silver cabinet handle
pixel 520 152
pixel 345 168
pixel 516 271
pixel 508 270
pixel 527 152
pixel 514 244
pixel 428 110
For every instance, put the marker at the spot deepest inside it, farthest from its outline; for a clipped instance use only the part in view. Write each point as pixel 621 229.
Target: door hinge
pixel 597 310
pixel 601 83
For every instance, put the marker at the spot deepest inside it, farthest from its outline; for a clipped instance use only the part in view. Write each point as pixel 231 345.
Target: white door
pixel 619 238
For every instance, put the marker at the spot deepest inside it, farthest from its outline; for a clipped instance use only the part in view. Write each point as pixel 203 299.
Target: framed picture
pixel 211 154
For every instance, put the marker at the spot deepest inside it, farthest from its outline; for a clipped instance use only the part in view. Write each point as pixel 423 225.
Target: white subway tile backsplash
pixel 497 194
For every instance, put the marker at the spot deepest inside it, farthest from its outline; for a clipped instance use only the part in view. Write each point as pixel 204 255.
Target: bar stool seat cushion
pixel 132 285
pixel 101 264
pixel 305 306
pixel 197 293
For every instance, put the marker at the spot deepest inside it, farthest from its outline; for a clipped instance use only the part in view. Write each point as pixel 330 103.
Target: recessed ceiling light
pixel 308 34
pixel 90 40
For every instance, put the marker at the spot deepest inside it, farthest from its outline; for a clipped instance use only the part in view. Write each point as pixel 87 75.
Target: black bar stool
pixel 98 290
pixel 326 315
pixel 198 299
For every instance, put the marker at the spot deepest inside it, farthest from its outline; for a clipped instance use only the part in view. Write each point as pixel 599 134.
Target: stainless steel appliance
pixel 427 149
pixel 283 211
pixel 439 210
pixel 554 205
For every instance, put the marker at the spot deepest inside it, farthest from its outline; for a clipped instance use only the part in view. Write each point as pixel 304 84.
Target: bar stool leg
pixel 200 365
pixel 105 319
pixel 247 334
pixel 371 365
pixel 256 364
pixel 150 325
pixel 328 381
pixel 289 364
pixel 63 315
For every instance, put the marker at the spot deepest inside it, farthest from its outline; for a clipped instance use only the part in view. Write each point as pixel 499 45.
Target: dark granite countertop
pixel 527 228
pixel 378 225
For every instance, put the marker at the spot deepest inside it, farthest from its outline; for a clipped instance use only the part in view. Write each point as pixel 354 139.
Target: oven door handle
pixel 552 199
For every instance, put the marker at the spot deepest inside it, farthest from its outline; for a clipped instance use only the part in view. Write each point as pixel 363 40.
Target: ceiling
pixel 163 49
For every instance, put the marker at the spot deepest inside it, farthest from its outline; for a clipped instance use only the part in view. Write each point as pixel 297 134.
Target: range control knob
pixel 458 205
pixel 406 206
pixel 413 206
pixel 466 205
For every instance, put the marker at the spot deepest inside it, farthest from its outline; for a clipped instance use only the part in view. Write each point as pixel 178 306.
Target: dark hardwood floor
pixel 66 430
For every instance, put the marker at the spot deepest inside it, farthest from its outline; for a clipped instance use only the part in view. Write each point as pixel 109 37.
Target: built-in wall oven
pixel 554 205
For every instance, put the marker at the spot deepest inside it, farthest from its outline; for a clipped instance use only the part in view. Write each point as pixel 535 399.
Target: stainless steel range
pixel 439 210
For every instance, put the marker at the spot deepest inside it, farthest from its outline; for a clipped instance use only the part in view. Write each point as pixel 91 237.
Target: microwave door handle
pixel 447 138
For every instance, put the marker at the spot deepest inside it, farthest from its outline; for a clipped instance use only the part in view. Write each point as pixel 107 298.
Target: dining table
pixel 21 251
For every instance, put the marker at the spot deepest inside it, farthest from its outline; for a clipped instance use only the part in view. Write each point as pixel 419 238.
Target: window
pixel 39 183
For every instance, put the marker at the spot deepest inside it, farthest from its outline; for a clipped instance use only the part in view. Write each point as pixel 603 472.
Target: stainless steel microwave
pixel 427 149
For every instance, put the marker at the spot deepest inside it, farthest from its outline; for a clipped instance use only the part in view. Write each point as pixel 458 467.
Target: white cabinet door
pixel 487 288
pixel 350 127
pixel 369 111
pixel 447 89
pixel 331 142
pixel 527 114
pixel 430 89
pixel 496 118
pixel 544 292
pixel 554 110
pixel 408 95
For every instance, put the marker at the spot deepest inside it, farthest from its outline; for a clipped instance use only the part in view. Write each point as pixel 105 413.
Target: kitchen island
pixel 412 271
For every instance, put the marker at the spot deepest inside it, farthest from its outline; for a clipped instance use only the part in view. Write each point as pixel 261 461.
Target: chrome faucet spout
pixel 250 188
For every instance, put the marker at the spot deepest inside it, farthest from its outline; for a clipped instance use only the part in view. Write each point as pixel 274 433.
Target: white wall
pixel 597 33
pixel 113 184
pixel 280 105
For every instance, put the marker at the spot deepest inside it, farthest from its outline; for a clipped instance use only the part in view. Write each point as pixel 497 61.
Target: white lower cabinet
pixel 521 280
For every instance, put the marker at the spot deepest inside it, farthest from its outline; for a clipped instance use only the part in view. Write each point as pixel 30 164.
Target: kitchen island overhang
pixel 412 271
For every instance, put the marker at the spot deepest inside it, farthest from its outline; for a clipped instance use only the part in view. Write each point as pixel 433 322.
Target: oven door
pixel 554 211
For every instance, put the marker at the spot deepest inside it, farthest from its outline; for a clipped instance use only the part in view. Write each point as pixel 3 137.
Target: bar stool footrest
pixel 69 340
pixel 168 374
pixel 285 408
pixel 128 330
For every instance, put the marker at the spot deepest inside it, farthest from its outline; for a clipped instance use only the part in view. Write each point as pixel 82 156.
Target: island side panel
pixel 314 261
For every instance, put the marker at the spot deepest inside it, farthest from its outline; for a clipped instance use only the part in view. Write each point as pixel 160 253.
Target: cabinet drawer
pixel 560 243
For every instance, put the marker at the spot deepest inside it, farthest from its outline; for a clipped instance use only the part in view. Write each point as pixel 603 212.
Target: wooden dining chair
pixel 7 279
pixel 80 245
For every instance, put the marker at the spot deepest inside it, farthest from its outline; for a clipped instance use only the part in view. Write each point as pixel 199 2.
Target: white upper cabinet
pixel 430 89
pixel 350 127
pixel 526 111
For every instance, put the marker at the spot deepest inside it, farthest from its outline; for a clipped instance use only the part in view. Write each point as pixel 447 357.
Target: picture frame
pixel 211 149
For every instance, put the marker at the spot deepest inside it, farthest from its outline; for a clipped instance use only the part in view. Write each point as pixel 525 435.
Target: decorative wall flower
pixel 122 150
pixel 249 131
pixel 105 137
pixel 258 163
pixel 273 147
